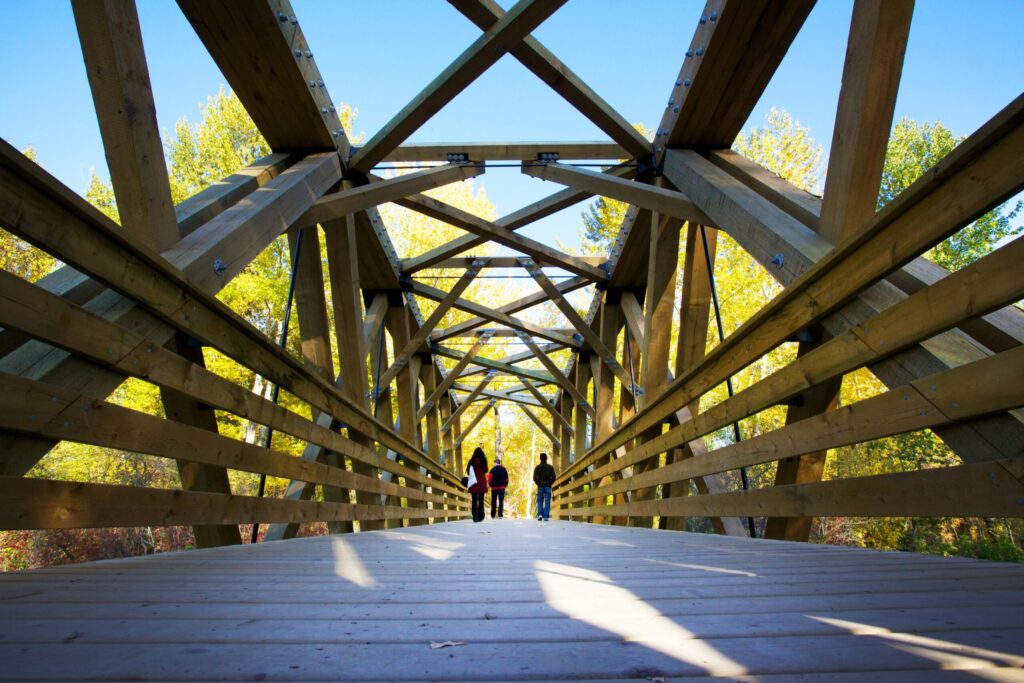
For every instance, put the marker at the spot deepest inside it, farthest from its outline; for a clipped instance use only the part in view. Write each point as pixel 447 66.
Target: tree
pixel 785 148
pixel 913 149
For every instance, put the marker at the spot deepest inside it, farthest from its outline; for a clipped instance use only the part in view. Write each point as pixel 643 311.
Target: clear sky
pixel 965 61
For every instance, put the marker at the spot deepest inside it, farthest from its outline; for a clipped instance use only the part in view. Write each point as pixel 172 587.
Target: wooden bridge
pixel 626 430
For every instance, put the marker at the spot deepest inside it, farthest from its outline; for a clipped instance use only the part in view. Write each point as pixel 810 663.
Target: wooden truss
pixel 140 301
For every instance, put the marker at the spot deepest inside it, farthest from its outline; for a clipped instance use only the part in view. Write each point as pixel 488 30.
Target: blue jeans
pixel 544 501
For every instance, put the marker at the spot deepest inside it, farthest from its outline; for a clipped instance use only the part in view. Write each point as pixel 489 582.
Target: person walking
pixel 497 479
pixel 544 478
pixel 476 470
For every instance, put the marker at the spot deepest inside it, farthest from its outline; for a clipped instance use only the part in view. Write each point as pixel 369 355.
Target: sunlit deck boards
pixel 530 601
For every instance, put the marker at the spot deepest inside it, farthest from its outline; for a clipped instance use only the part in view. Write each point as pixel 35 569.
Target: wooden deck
pixel 527 601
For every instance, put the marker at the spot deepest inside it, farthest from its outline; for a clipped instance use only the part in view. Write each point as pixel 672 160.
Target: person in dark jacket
pixel 497 479
pixel 478 466
pixel 544 478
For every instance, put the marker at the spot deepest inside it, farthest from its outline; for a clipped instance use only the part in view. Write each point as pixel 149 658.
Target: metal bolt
pixel 675 110
pixel 678 83
pixel 282 17
pixel 320 83
pixel 323 110
pixel 309 55
pixel 779 259
pixel 219 267
pixel 700 51
pixel 689 53
pixel 714 16
pixel 293 19
pixel 703 20
pixel 298 54
pixel 671 102
pixel 312 84
pixel 687 83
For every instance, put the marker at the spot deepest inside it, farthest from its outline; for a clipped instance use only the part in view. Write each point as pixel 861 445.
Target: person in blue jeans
pixel 544 478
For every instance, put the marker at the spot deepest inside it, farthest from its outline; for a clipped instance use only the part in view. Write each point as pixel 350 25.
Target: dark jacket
pixel 498 477
pixel 479 466
pixel 544 474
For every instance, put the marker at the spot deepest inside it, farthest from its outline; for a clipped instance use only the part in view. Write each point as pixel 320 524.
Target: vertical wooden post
pixel 428 375
pixel 610 324
pixel 582 381
pixel 662 264
pixel 397 321
pixel 196 477
pixel 447 439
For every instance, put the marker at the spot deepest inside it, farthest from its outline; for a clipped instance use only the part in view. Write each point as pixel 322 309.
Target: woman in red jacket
pixel 478 467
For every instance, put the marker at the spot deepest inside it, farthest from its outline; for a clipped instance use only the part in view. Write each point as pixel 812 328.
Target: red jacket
pixel 480 469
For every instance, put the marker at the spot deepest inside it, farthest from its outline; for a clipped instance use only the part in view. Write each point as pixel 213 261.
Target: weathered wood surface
pixel 575 601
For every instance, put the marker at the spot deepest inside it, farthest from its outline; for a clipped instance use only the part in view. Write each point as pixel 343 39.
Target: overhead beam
pixel 338 204
pixel 541 426
pixel 735 50
pixel 461 408
pixel 544 401
pixel 594 341
pixel 442 388
pixel 660 199
pixel 556 373
pixel 493 315
pixel 867 99
pixel 490 365
pixel 513 221
pixel 468 429
pixel 523 18
pixel 528 301
pixel 416 340
pixel 506 151
pixel 548 68
pixel 434 208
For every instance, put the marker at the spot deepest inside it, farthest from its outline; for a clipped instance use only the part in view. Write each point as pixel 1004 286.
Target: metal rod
pixel 737 437
pixel 281 343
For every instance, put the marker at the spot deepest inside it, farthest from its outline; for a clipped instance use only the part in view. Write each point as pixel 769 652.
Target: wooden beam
pixel 543 64
pixel 557 374
pixel 434 208
pixel 506 151
pixel 44 504
pixel 354 199
pixel 544 401
pixel 555 443
pixel 256 52
pixel 496 262
pixel 997 331
pixel 660 199
pixel 523 18
pixel 493 315
pixel 496 366
pixel 310 302
pixel 735 51
pixel 461 408
pixel 918 317
pixel 517 219
pixel 580 383
pixel 442 388
pixel 528 301
pixel 659 306
pixel 871 78
pixel 633 313
pixel 972 390
pixel 33 199
pixel 980 173
pixel 978 490
pixel 65 325
pixel 593 340
pixel 468 429
pixel 115 63
pixel 404 353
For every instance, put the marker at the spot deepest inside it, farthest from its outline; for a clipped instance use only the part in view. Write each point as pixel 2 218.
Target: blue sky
pixel 965 61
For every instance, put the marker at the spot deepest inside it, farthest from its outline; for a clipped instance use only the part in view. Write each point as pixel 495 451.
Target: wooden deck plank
pixel 532 602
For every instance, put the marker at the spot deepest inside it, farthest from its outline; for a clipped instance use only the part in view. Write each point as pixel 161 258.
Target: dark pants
pixel 478 507
pixel 497 502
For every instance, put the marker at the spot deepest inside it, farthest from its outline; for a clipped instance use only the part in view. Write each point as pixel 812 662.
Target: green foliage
pixel 913 149
pixel 785 148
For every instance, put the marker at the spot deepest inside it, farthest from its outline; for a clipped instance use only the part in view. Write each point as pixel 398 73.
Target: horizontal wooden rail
pixel 99 248
pixel 982 171
pixel 974 390
pixel 46 504
pixel 981 287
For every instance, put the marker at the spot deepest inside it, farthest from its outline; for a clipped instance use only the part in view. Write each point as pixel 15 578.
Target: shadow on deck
pixel 526 601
